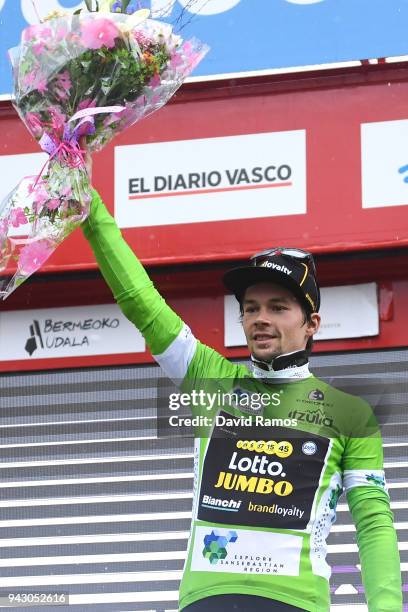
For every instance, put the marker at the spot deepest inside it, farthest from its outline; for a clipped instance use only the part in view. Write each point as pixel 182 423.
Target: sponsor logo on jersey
pixel 314 417
pixel 246 551
pixel 316 395
pixel 257 467
pixel 334 497
pixel 215 545
pixel 262 473
pixel 309 448
pixel 314 398
pixel 379 481
pixel 276 509
pixel 229 505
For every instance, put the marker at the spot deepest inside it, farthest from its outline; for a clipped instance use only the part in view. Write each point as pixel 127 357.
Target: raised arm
pixel 132 288
pixel 170 340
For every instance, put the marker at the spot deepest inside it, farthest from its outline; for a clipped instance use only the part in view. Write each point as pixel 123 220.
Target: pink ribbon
pixel 67 149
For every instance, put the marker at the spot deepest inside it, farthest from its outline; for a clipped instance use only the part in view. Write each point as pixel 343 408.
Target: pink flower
pixel 29 33
pixel 60 34
pixel 33 255
pixel 64 80
pixel 40 197
pixel 98 33
pixel 39 47
pixel 66 192
pixel 41 85
pixel 34 124
pixel 192 55
pixel 17 217
pixel 61 94
pixel 115 117
pixel 28 79
pixel 155 81
pixel 193 60
pixel 126 117
pixel 53 204
pixel 63 85
pixel 36 31
pixel 86 103
pixel 58 118
pixel 176 60
pixel 141 38
pixel 188 47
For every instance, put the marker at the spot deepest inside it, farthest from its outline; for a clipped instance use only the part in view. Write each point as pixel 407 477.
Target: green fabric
pixel 131 287
pixel 349 431
pixel 378 548
pixel 369 504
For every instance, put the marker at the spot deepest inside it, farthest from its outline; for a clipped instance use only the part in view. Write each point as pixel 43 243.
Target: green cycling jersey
pixel 267 479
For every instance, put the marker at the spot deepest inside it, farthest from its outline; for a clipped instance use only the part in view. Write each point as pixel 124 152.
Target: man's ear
pixel 313 324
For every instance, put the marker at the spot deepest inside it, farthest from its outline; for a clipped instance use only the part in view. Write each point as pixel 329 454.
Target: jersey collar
pixel 291 366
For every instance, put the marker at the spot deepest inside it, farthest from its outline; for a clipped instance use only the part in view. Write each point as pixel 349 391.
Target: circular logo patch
pixel 316 395
pixel 309 448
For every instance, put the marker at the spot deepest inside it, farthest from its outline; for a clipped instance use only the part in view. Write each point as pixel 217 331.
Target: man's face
pixel 273 321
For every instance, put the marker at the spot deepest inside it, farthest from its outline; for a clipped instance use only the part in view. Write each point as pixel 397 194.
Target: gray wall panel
pixel 77 424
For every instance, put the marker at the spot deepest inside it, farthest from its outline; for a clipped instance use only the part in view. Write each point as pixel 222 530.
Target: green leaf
pixel 78 12
pixel 89 5
pixel 125 4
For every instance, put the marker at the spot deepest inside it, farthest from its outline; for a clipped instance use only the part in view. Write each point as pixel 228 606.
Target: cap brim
pixel 238 280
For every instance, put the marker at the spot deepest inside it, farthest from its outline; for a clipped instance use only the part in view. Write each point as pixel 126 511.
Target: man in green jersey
pixel 265 496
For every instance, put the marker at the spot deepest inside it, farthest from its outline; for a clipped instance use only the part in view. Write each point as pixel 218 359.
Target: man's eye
pixel 249 309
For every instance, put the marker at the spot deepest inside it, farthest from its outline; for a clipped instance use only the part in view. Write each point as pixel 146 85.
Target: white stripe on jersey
pixel 287 375
pixel 175 360
pixel 364 478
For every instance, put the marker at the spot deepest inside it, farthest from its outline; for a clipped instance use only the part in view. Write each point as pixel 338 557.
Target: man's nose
pixel 262 317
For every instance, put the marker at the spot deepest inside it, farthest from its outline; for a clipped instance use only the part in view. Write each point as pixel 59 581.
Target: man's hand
pixel 87 156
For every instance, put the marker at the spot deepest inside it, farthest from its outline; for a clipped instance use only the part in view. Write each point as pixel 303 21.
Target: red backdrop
pixel 353 245
pixel 330 106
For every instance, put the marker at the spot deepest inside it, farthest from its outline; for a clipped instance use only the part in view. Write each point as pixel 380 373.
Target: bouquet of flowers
pixel 93 74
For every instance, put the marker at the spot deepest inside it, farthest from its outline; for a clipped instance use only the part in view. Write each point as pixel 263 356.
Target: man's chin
pixel 267 356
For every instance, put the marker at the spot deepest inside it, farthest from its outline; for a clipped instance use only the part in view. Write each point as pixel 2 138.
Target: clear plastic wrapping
pixel 92 74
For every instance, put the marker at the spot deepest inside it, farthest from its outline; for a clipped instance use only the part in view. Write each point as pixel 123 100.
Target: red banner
pixel 227 171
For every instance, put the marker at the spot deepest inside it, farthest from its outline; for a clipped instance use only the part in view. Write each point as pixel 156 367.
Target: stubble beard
pixel 266 357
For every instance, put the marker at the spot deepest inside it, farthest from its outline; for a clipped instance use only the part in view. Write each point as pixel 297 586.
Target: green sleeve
pixel 169 339
pixel 369 503
pixel 378 548
pixel 131 287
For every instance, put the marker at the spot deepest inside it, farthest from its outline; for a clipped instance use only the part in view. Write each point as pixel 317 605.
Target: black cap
pixel 290 267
